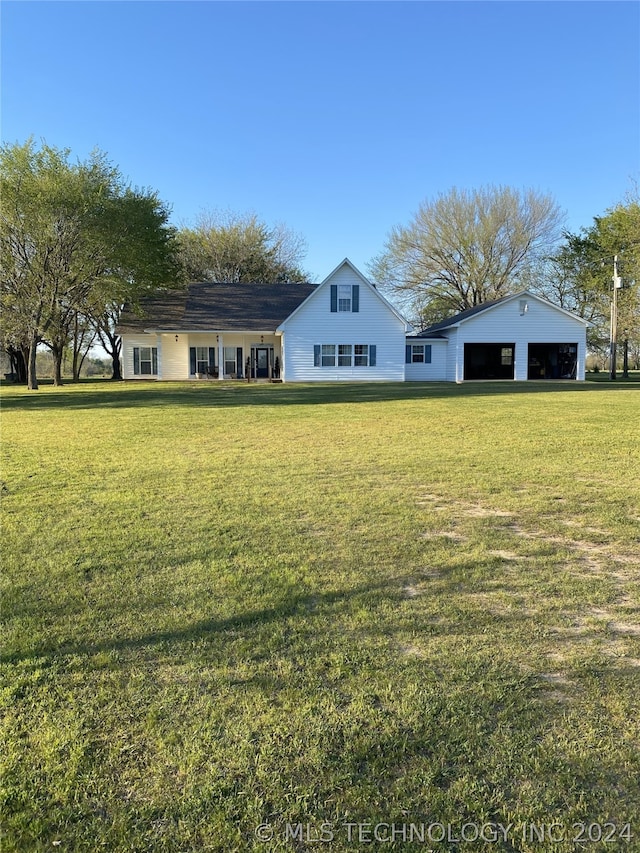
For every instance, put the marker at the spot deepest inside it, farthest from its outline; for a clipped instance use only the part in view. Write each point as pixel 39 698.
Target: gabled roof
pixel 217 306
pixel 463 316
pixel 365 282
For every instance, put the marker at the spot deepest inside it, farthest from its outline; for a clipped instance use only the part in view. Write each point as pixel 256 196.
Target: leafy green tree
pixel 68 233
pixel 231 247
pixel 466 247
pixel 579 275
pixel 145 253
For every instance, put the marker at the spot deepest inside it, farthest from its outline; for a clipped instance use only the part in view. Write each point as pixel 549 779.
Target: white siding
pixel 175 356
pixel 314 323
pixel 455 356
pixel 504 323
pixel 142 340
pixel 434 372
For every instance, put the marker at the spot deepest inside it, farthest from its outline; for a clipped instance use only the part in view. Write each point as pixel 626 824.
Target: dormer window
pixel 345 298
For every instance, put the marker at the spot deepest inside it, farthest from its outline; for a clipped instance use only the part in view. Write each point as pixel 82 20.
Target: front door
pixel 262 363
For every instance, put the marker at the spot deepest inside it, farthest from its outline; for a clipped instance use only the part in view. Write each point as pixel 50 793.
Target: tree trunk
pixel 114 348
pixel 111 343
pixel 82 341
pixel 58 354
pixel 115 365
pixel 19 358
pixel 32 379
pixel 80 363
pixel 75 368
pixel 57 373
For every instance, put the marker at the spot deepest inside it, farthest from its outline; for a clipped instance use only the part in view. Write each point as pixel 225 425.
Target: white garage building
pixel 517 337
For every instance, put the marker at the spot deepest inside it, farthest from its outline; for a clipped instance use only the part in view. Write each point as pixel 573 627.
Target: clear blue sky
pixel 336 118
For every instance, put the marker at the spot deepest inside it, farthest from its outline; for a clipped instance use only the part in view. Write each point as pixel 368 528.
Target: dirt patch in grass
pixel 623 628
pixel 561 688
pixel 509 556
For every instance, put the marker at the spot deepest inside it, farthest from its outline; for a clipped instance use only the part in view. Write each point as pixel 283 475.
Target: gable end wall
pixel 315 324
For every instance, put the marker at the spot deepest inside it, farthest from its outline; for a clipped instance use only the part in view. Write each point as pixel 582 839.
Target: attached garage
pixel 552 361
pixel 489 361
pixel 521 337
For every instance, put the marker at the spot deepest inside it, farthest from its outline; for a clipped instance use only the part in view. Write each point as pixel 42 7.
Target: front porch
pixel 219 356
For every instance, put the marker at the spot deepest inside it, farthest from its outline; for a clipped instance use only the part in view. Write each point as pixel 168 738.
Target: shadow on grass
pixel 110 395
pixel 294 605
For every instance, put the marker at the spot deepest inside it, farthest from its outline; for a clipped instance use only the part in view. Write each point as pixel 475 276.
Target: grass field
pixel 386 617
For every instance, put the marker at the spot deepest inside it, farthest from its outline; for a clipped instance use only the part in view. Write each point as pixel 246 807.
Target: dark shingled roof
pixel 207 306
pixel 463 315
pixel 427 334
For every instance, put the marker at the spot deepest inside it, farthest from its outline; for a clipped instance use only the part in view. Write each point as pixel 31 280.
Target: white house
pixel 343 330
pixel 517 337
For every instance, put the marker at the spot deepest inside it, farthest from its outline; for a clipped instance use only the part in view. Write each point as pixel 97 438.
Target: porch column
pixel 220 358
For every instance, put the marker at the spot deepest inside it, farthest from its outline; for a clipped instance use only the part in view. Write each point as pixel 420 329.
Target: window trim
pixel 196 364
pixel 230 359
pixel 338 295
pixel 327 355
pixel 344 298
pixel 361 355
pixel 413 350
pixel 138 360
pixel 344 355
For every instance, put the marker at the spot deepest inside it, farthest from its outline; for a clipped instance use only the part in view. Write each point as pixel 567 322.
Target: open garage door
pixel 552 361
pixel 489 361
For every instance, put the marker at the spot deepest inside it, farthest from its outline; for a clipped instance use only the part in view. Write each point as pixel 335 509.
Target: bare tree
pixel 467 247
pixel 235 247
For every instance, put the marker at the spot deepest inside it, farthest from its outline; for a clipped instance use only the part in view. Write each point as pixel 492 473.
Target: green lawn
pixel 386 609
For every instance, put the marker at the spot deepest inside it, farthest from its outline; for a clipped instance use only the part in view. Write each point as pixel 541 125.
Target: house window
pixel 145 361
pixel 328 355
pixel 344 355
pixel 202 359
pixel 418 354
pixel 361 355
pixel 229 360
pixel 344 297
pixel 506 356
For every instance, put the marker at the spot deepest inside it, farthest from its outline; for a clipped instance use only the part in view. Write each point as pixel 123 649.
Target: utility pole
pixel 617 284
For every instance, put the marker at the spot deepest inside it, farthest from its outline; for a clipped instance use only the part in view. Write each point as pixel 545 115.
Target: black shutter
pixel 427 353
pixel 154 360
pixel 355 298
pixel 407 354
pixel 212 358
pixel 136 361
pixel 334 298
pixel 316 354
pixel 192 361
pixel 238 362
pixel 372 355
